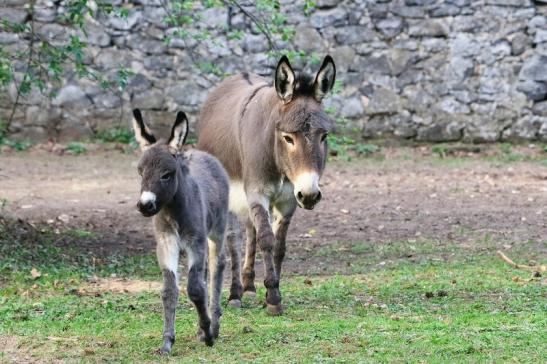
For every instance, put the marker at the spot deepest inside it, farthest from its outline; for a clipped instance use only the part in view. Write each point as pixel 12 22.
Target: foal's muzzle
pixel 147 208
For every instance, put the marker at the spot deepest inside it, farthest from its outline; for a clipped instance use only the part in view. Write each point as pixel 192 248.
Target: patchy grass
pixel 467 308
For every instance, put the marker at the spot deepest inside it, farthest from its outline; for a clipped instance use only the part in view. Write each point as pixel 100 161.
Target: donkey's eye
pixel 323 137
pixel 166 176
pixel 288 139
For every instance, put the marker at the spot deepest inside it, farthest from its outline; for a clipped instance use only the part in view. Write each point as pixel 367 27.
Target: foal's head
pixel 302 127
pixel 158 166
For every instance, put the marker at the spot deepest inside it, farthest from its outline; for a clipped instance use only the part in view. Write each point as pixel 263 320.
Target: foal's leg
pixel 233 240
pixel 250 254
pixel 259 215
pixel 282 213
pixel 168 251
pixel 197 288
pixel 216 270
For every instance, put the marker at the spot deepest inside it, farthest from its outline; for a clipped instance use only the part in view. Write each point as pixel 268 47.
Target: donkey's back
pixel 218 128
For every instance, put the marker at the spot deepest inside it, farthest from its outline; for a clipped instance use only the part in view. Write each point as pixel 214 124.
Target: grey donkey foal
pixel 187 193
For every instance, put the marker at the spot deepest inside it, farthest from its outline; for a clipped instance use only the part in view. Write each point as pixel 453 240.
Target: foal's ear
pixel 324 81
pixel 178 133
pixel 284 80
pixel 142 134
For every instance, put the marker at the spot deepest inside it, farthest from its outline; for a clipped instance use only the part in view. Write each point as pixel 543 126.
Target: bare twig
pixel 537 268
pixel 262 26
pixel 29 60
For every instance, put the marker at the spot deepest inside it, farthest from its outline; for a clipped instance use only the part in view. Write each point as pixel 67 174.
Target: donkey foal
pixel 187 193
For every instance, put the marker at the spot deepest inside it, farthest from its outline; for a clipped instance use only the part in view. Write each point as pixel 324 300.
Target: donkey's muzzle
pixel 308 200
pixel 147 208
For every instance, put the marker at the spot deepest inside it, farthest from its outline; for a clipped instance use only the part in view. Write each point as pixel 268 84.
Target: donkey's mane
pixel 304 85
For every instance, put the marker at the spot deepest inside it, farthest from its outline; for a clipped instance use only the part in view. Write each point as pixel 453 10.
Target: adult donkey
pixel 273 143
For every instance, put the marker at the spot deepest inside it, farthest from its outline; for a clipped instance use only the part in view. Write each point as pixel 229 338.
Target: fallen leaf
pixel 35 273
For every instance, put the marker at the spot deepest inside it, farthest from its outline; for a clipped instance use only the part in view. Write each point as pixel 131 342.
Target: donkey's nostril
pixel 147 207
pixel 319 196
pixel 299 195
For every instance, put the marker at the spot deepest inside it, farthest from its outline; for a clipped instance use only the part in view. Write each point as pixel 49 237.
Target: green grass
pixel 473 308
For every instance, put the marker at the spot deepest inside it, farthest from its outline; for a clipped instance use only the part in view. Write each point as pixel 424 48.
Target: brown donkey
pixel 272 142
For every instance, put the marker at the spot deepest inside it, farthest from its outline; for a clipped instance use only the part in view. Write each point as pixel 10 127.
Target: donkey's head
pixel 302 127
pixel 158 166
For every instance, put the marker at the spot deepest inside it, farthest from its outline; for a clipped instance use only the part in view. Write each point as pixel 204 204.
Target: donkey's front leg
pixel 197 287
pixel 265 239
pixel 168 251
pixel 283 213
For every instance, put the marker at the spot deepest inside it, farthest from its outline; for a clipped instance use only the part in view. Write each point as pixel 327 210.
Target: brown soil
pixel 401 196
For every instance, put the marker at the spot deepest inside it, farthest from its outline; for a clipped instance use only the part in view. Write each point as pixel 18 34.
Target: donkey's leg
pixel 250 254
pixel 168 251
pixel 282 213
pixel 233 240
pixel 196 288
pixel 216 272
pixel 265 238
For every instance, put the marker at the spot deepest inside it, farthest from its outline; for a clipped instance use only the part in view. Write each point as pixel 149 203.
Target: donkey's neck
pixel 183 197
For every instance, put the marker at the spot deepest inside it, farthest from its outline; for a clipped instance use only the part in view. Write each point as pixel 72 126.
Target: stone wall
pixel 429 70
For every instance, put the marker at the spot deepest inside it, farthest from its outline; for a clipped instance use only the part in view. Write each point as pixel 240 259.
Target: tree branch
pixel 260 25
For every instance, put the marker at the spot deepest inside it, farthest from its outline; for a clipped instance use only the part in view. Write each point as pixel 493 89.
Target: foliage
pixel 18 145
pixel 346 147
pixel 118 134
pixel 76 148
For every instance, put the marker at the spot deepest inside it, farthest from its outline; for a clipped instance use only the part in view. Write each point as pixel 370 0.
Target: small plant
pixel 76 148
pixel 117 134
pixel 18 145
pixel 439 150
pixel 364 149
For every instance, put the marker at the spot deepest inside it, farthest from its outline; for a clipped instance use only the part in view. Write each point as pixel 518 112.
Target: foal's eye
pixel 323 137
pixel 288 139
pixel 166 176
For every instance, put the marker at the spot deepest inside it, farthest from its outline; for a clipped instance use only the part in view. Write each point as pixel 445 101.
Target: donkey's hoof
pixel 250 294
pixel 234 303
pixel 206 338
pixel 163 351
pixel 274 310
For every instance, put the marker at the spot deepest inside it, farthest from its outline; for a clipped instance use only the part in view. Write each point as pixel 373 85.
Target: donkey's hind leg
pixel 168 252
pixel 250 254
pixel 233 240
pixel 197 291
pixel 216 272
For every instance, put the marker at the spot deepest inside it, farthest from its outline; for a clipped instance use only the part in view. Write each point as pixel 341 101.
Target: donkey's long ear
pixel 142 133
pixel 178 133
pixel 284 80
pixel 324 81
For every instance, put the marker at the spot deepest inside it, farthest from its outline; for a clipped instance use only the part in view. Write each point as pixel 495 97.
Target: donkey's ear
pixel 142 133
pixel 284 80
pixel 178 133
pixel 324 81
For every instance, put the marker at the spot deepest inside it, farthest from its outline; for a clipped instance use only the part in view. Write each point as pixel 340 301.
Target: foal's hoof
pixel 250 294
pixel 274 310
pixel 206 338
pixel 234 303
pixel 163 351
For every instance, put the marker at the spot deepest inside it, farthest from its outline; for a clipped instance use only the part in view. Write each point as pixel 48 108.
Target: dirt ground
pixel 399 197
